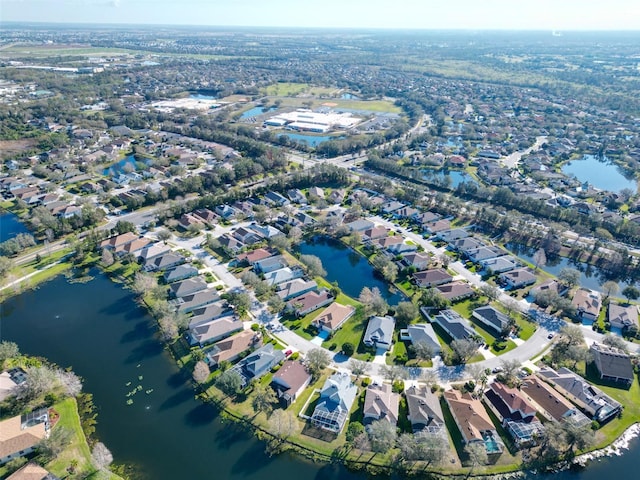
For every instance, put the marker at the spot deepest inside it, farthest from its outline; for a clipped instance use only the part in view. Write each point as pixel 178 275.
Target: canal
pixel 97 328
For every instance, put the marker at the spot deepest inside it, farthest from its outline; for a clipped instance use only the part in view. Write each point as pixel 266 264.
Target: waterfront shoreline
pixel 616 448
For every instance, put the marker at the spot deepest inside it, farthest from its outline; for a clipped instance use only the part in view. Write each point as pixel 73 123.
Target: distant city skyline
pixel 561 15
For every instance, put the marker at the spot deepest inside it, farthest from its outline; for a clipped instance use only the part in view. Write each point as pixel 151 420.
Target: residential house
pixel 9 381
pixel 303 220
pixel 432 277
pixel 189 220
pixel 360 225
pixel 213 330
pixel 276 199
pixel 401 248
pixel 422 333
pixel 246 236
pixel 427 217
pixel 118 241
pixel 587 304
pixel 206 215
pixel 270 264
pixel 613 365
pixel 374 233
pixel 456 291
pixel 181 272
pixel 189 303
pixel 479 254
pixel 297 196
pixel 336 196
pixel 283 275
pixel 210 312
pixel 380 403
pixel 290 381
pixel 515 412
pixel 595 403
pixel 473 421
pixel 227 212
pixel 386 242
pixel 623 317
pixel 230 243
pixel 436 226
pixel 449 236
pixel 295 288
pixel 418 260
pixel 465 244
pixel 550 403
pixel 316 193
pixel 494 319
pixel 391 206
pixel 425 412
pixel 309 302
pixel 151 252
pixel 406 212
pixel 133 248
pixel 499 264
pixel 453 324
pixel 265 231
pixel 549 285
pixel 32 471
pixel 518 278
pixel 231 348
pixel 336 399
pixel 332 317
pixel 258 363
pixel 250 258
pixel 187 287
pixel 379 333
pixel 20 435
pixel 163 262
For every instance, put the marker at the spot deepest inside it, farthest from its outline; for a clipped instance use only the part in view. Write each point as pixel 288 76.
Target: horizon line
pixel 289 27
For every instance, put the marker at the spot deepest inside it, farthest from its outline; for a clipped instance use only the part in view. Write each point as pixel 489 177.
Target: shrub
pixel 255 327
pixel 295 355
pixel 333 346
pixel 366 382
pixel 348 348
pixel 398 386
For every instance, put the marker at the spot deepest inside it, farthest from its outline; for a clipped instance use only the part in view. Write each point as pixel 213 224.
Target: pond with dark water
pixel 311 140
pixel 350 269
pixel 10 226
pixel 590 277
pixel 602 174
pixel 98 329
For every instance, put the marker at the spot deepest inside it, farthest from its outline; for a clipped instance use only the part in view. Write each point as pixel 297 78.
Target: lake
pixel 121 166
pixel 311 140
pixel 603 175
pixel 590 276
pixel 10 226
pixel 255 111
pixel 455 177
pixel 98 329
pixel 350 269
pixel 110 341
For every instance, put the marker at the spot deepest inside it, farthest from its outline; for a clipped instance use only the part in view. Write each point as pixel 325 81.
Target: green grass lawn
pixel 465 309
pixel 630 399
pixel 351 331
pixel 78 448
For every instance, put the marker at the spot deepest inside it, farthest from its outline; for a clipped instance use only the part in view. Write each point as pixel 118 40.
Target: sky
pixel 561 15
